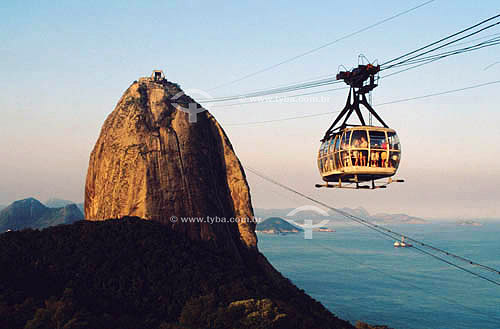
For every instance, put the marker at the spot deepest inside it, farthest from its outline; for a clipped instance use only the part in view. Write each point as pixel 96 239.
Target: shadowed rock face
pixel 151 162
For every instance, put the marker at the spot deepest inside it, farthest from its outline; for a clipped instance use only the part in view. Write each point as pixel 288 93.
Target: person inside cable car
pixel 383 154
pixel 364 145
pixel 345 158
pixel 355 153
pixel 394 161
pixel 383 158
pixel 344 154
pixel 375 158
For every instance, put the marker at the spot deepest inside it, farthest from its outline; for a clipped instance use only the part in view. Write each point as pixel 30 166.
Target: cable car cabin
pixel 354 154
pixel 359 154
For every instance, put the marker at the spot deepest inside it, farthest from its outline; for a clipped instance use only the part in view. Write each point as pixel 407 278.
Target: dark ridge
pixel 132 273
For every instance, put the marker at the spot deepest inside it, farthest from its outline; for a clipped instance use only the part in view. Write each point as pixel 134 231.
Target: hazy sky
pixel 64 67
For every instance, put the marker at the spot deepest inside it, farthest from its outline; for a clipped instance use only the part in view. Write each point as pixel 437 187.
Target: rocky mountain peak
pixel 160 156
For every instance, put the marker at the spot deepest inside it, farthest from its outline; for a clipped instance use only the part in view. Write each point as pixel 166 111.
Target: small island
pixel 277 225
pixel 469 223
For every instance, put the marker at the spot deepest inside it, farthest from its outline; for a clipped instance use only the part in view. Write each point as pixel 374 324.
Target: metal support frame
pixel 361 81
pixel 355 98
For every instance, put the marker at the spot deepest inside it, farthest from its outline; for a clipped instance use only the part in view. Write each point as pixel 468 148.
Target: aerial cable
pixel 402 280
pixel 417 62
pixel 291 83
pixel 334 89
pixel 379 104
pixel 386 274
pixel 439 47
pixel 291 59
pixel 488 43
pixel 301 86
pixel 432 58
pixel 473 40
pixel 441 40
pixel 278 98
pixel 286 119
pixel 387 232
pixel 440 93
pixel 326 82
pixel 408 61
pixel 457 266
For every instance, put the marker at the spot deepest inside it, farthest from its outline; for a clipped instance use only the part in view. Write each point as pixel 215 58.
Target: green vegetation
pixel 277 225
pixel 132 274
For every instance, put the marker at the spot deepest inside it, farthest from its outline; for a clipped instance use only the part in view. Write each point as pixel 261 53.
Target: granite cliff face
pixel 150 161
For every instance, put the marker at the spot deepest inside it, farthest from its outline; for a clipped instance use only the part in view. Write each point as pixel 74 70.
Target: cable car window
pixel 343 146
pixel 359 139
pixel 377 140
pixel 322 149
pixel 331 145
pixel 345 140
pixel 393 141
pixel 337 142
pixel 338 138
pixel 344 155
pixel 330 161
pixel 394 159
pixel 338 164
pixel 333 159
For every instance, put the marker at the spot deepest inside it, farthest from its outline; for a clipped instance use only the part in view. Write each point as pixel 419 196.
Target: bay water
pixel 358 274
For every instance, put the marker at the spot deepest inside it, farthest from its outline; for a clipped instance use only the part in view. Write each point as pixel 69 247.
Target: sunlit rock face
pixel 153 162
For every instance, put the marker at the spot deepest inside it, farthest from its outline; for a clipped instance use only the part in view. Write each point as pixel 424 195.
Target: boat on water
pixel 402 243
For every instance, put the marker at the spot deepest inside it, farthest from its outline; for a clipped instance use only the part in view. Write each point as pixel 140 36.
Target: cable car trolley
pixel 351 155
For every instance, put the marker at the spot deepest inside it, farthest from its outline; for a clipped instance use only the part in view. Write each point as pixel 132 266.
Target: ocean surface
pixel 358 275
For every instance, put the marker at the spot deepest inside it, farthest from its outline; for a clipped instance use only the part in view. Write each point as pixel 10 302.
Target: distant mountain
pixel 31 213
pixel 57 203
pixel 359 211
pixel 469 223
pixel 300 216
pixel 64 215
pixel 307 214
pixel 276 225
pixel 21 214
pixel 397 219
pixel 2 206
